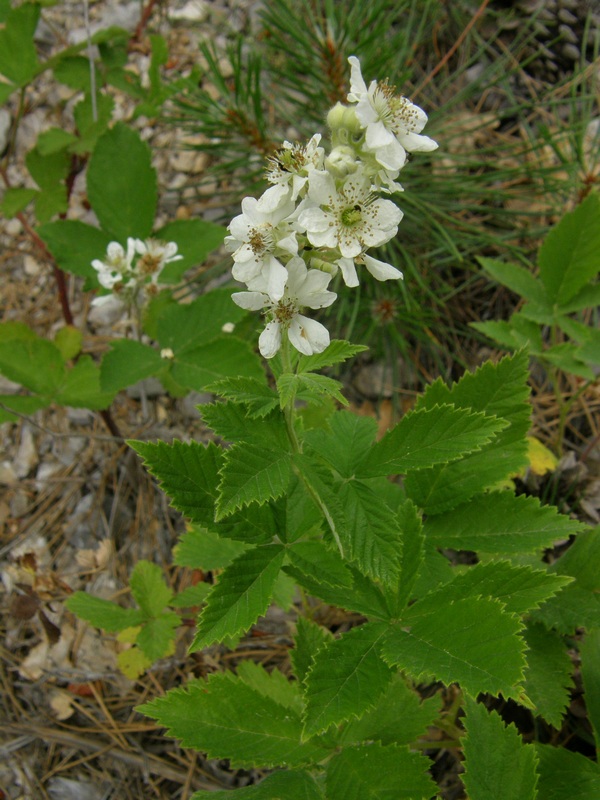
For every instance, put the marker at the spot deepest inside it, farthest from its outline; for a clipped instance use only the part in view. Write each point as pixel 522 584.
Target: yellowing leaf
pixel 129 635
pixel 133 662
pixel 541 460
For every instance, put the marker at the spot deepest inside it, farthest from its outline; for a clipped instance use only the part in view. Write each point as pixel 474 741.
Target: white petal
pixel 269 341
pixel 245 272
pixel 382 271
pixel 273 198
pixel 348 271
pixel 392 156
pixel 416 143
pixel 307 335
pixel 115 251
pixel 378 135
pixel 315 220
pixel 251 301
pixel 276 276
pixel 321 187
pixel 357 83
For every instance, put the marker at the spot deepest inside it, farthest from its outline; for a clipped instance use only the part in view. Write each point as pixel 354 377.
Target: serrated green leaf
pixel 102 613
pixel 69 340
pixel 157 637
pixel 574 607
pixel 370 535
pixel 516 278
pixel 34 363
pixel 251 473
pixel 272 684
pixel 325 564
pixel 231 423
pixel 149 589
pixel 472 641
pixel 285 591
pixel 185 327
pixel 187 472
pixel 412 556
pixel 398 717
pixel 199 548
pixel 259 398
pixel 565 775
pixel 48 171
pixel 18 56
pixel 218 359
pixel 500 390
pixel 308 640
pixel 53 140
pixel 128 362
pixel 516 333
pixel 346 678
pixel 577 605
pixel 243 593
pixel 125 203
pixel 519 588
pixel 566 357
pixel 587 297
pixel 500 522
pixel 498 765
pixel 191 596
pixel 337 351
pixel 568 257
pixel 280 785
pixel 81 386
pixel 302 516
pixel 92 120
pixel 225 718
pixel 429 436
pixel 16 199
pixel 195 239
pixel 378 772
pixel 365 597
pixel 345 443
pixel 74 245
pixel 590 672
pixel 309 387
pixel 21 404
pixel 548 680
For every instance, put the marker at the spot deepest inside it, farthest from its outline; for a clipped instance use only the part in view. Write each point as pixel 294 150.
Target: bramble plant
pixel 550 321
pixel 299 493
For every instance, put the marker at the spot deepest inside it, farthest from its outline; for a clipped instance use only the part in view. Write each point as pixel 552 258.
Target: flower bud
pixel 341 161
pixel 346 128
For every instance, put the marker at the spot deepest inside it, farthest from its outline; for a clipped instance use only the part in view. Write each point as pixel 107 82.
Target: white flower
pixel 350 218
pixel 115 268
pixel 154 255
pixel 393 124
pixel 259 239
pixel 304 288
pixel 288 171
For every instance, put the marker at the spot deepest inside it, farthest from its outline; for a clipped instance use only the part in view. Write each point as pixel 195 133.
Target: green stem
pixel 289 413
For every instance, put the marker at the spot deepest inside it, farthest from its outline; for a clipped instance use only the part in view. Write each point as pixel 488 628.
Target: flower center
pixel 261 239
pixel 351 216
pixel 285 311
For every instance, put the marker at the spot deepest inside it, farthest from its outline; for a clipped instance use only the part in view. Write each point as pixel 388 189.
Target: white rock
pixel 192 11
pixel 31 266
pixel 27 456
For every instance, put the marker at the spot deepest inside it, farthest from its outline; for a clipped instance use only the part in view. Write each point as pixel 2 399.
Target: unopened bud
pixel 341 161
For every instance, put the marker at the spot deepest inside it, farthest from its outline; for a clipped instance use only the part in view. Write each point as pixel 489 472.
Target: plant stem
pixel 289 412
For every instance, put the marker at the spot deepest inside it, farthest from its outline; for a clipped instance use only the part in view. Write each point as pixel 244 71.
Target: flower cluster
pixel 323 211
pixel 132 274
